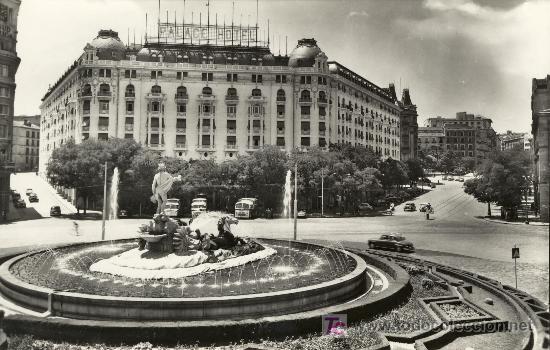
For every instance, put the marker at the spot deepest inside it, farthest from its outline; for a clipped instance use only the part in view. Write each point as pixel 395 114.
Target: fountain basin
pixel 307 293
pixel 152 238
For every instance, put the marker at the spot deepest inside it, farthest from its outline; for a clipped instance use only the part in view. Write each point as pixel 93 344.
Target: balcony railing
pixel 306 116
pixel 322 132
pixel 129 127
pixel 205 129
pixel 321 117
pixel 86 111
pixel 85 128
pixel 207 97
pixel 256 129
pixel 305 132
pixel 103 127
pixel 281 99
pixel 231 146
pixel 322 101
pixel 154 128
pixel 304 100
pixel 130 94
pixel 231 115
pixel 180 130
pixel 156 145
pixel 281 115
pixel 104 94
pixel 231 97
pixel 154 95
pixel 280 132
pixel 181 98
pixel 181 114
pixel 86 94
pixel 231 131
pixel 180 145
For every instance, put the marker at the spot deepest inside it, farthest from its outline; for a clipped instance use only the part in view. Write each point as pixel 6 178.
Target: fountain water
pixel 288 195
pixel 113 196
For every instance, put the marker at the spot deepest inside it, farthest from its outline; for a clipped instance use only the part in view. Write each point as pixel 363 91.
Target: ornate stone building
pixel 202 100
pixel 540 108
pixel 9 62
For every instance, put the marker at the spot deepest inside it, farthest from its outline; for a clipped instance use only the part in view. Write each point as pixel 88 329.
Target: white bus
pixel 198 206
pixel 172 207
pixel 247 208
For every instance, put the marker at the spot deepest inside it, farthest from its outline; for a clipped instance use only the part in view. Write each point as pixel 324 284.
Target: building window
pixel 231 109
pixel 103 107
pixel 305 110
pixel 305 128
pixel 207 76
pixel 231 126
pixel 205 140
pixel 154 139
pixel 4 109
pixel 86 107
pixel 280 141
pixel 156 89
pixel 130 91
pixel 322 111
pixel 305 141
pixel 156 74
pixel 256 92
pixel 129 107
pixel 181 75
pixel 182 108
pixel 4 92
pixel 155 106
pixel 280 110
pixel 256 78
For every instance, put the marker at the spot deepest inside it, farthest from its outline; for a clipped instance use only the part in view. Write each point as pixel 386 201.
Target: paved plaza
pixel 456 235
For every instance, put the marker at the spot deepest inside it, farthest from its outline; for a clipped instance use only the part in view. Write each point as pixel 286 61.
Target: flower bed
pixel 459 311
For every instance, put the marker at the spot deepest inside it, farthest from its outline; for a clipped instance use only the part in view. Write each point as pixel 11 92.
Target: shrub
pixel 427 283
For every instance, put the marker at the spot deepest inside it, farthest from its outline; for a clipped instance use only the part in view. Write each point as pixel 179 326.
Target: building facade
pixel 26 142
pixel 540 108
pixel 515 140
pixel 409 127
pixel 201 101
pixel 467 135
pixel 9 62
pixel 431 141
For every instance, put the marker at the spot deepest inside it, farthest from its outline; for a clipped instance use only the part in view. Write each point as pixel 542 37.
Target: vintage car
pixel 409 207
pixel 392 241
pixel 33 197
pixel 19 203
pixel 55 211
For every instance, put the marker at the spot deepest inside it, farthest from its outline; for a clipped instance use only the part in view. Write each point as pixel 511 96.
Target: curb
pixel 540 224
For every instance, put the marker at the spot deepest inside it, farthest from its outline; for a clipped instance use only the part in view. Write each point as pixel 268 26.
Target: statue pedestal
pixel 163 244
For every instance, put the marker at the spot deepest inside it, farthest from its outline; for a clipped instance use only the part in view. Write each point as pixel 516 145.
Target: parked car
pixel 444 177
pixel 460 179
pixel 33 197
pixel 28 191
pixel 422 207
pixel 123 213
pixel 409 207
pixel 20 203
pixel 55 211
pixel 393 241
pixel 365 208
pixel 450 178
pixel 302 214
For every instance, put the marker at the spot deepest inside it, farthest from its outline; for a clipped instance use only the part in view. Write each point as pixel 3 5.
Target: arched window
pixel 322 96
pixel 231 92
pixel 104 89
pixel 281 95
pixel 256 92
pixel 156 89
pixel 130 91
pixel 181 91
pixel 305 95
pixel 207 90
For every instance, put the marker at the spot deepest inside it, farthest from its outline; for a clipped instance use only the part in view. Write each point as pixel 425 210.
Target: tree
pixel 82 166
pixel 394 173
pixel 503 179
pixel 414 169
pixel 447 162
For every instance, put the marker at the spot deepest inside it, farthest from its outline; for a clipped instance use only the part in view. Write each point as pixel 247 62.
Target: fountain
pixel 172 274
pixel 113 196
pixel 287 195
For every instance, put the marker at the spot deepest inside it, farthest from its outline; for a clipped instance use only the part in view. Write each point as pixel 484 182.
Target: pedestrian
pixel 75 225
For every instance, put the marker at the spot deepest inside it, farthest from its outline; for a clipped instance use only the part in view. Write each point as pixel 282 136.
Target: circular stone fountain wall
pixel 298 277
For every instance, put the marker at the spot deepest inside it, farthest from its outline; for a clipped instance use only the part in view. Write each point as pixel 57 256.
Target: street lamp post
pixel 295 200
pixel 104 204
pixel 322 193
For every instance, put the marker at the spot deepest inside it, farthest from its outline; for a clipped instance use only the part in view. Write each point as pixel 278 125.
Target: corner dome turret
pixel 108 45
pixel 304 54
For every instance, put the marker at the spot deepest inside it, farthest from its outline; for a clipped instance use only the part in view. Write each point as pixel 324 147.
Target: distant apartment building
pixel 409 127
pixel 431 141
pixel 515 140
pixel 26 141
pixel 540 108
pixel 466 135
pixel 9 62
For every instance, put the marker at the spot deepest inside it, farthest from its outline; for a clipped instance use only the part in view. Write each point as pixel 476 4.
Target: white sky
pixel 454 55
